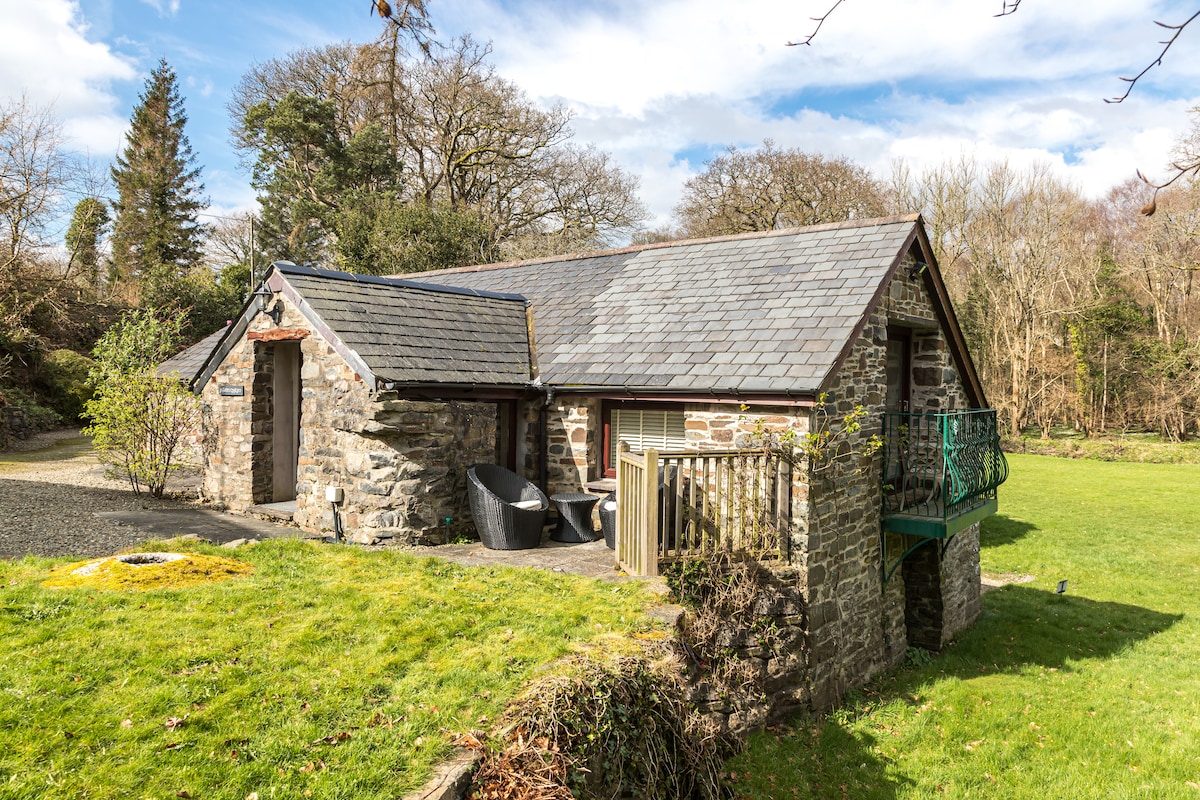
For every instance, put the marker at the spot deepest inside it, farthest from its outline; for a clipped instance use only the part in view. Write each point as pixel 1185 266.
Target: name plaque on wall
pixel 229 390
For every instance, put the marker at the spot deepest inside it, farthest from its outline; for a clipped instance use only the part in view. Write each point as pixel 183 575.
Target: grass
pixel 325 672
pixel 60 450
pixel 1141 447
pixel 1092 694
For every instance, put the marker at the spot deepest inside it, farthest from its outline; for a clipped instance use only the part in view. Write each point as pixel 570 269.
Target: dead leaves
pixel 469 741
pixel 335 739
pixel 378 720
pixel 525 770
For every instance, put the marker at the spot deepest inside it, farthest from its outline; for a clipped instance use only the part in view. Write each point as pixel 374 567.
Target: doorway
pixel 899 369
pixel 285 428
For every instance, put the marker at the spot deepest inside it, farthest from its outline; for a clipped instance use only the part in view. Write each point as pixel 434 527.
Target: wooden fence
pixel 682 505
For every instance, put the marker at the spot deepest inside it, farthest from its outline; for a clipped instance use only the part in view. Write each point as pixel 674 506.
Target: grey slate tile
pixel 718 313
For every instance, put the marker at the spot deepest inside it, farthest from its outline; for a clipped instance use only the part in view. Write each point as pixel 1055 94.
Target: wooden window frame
pixel 609 470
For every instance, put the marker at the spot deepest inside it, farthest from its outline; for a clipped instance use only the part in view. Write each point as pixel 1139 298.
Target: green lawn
pixel 334 672
pixel 1093 694
pixel 329 672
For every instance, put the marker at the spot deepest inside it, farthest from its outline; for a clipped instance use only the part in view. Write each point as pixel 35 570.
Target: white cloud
pixel 199 86
pixel 648 81
pixel 165 9
pixel 233 194
pixel 45 56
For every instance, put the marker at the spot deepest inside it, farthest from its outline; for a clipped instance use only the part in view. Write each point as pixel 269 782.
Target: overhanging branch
pixel 820 21
pixel 1166 43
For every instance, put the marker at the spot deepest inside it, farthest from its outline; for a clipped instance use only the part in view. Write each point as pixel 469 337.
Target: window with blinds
pixel 644 429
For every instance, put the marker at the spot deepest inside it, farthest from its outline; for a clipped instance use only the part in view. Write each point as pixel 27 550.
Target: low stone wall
pixel 14 425
pixel 769 643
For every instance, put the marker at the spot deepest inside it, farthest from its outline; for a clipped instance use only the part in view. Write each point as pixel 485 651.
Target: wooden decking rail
pixel 683 505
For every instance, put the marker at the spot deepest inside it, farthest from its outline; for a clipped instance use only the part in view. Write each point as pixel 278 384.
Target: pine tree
pixel 156 239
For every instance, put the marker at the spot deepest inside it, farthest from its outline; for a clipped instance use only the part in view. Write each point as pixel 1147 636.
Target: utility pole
pixel 252 249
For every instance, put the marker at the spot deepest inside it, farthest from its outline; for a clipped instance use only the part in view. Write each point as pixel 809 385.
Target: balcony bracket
pixel 890 569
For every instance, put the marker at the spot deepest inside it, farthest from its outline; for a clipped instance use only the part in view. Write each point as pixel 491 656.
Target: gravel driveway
pixel 50 495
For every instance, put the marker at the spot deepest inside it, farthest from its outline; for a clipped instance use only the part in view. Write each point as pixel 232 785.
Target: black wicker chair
pixel 509 511
pixel 608 519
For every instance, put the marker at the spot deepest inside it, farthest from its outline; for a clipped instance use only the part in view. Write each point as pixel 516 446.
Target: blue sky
pixel 664 85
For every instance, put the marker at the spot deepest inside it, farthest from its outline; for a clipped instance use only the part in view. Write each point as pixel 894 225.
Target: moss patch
pixel 188 569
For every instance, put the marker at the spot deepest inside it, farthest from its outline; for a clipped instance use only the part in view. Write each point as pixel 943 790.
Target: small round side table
pixel 574 517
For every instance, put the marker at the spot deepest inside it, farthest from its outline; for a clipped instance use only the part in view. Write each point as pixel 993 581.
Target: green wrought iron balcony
pixel 941 471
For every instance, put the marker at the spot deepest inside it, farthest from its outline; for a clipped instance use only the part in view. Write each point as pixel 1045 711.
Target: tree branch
pixel 820 21
pixel 1006 7
pixel 1178 29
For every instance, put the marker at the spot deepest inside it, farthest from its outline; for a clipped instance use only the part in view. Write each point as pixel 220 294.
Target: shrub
pixel 603 730
pixel 139 418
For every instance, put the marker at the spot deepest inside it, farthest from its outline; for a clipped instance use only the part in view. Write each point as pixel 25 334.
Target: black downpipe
pixel 543 441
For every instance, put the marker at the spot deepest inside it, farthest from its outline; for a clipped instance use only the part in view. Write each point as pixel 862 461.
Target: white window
pixel 643 429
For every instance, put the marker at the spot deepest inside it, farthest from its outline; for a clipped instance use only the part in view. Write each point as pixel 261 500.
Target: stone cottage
pixel 390 388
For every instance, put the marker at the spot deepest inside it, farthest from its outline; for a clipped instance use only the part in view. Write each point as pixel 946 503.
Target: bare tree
pixel 769 188
pixel 230 241
pixel 35 174
pixel 1186 164
pixel 1009 242
pixel 330 72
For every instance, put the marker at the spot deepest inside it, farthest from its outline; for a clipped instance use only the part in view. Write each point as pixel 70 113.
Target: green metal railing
pixel 941 471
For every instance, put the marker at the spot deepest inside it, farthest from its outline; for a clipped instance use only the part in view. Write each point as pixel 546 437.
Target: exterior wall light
pixel 262 296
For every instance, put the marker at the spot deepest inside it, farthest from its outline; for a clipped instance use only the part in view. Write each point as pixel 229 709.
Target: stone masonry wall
pixel 573 442
pixel 936 384
pixel 769 638
pixel 953 578
pixel 401 463
pixel 857 630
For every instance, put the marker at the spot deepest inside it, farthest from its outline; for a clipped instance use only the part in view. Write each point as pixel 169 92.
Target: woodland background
pixel 405 154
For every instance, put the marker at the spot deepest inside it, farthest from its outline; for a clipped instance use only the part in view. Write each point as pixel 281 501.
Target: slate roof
pixel 188 362
pixel 758 313
pixel 410 332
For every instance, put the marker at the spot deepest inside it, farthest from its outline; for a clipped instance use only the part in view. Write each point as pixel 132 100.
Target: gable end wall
pixel 401 463
pixel 858 626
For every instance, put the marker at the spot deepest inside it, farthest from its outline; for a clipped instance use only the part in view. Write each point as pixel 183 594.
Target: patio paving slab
pixel 590 559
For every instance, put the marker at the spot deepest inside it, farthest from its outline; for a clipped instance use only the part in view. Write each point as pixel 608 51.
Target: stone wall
pixel 574 437
pixel 960 583
pixel 401 463
pixel 936 384
pixel 856 629
pixel 770 641
pixel 942 588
